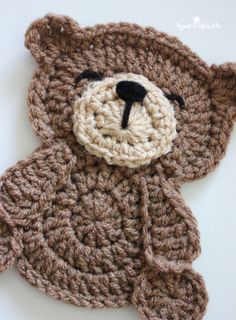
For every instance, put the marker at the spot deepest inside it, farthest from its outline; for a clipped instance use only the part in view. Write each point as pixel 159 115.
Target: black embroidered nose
pixel 130 92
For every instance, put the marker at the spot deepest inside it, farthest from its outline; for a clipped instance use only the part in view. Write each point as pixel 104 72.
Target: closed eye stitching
pixel 89 75
pixel 175 97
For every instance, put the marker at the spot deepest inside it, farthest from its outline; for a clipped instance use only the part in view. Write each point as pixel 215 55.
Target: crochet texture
pixel 95 216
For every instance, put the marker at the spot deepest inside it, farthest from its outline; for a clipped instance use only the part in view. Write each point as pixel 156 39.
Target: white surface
pixel 212 199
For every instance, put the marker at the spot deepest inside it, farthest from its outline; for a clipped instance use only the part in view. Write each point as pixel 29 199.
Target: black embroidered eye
pixel 90 75
pixel 175 97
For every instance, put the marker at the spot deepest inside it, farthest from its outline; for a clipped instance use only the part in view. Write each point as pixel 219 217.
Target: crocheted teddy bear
pixel 94 216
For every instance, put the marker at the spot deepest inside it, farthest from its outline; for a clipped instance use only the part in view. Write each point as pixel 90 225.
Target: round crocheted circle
pixel 98 115
pixel 91 241
pixel 159 295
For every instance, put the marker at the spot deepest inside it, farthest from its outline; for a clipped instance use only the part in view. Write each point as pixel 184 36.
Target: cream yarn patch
pixel 98 116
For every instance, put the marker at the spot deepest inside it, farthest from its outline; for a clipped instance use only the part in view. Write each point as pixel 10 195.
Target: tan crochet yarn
pixel 97 123
pixel 95 217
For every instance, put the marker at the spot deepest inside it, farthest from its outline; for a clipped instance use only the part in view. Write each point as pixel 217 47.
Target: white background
pixel 212 199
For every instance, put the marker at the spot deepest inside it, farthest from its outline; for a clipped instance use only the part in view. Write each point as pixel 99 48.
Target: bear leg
pixel 170 296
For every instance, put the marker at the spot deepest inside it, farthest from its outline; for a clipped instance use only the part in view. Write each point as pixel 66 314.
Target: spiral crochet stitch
pixel 97 123
pixel 95 216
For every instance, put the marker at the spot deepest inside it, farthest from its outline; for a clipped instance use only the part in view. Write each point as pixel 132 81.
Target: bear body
pixel 89 226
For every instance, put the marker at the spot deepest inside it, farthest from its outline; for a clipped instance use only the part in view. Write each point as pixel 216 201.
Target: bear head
pixel 130 97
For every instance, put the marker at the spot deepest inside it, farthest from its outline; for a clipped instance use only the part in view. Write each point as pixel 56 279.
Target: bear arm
pixel 24 189
pixel 170 233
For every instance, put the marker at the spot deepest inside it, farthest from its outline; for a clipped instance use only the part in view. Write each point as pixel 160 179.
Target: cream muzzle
pixel 126 129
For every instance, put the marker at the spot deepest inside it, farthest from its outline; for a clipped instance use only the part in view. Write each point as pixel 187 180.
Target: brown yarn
pixel 100 235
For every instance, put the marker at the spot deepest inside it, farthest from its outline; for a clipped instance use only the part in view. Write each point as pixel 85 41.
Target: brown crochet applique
pixel 95 216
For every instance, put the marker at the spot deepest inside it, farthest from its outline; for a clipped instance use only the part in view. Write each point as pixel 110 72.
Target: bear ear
pixel 223 87
pixel 48 37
